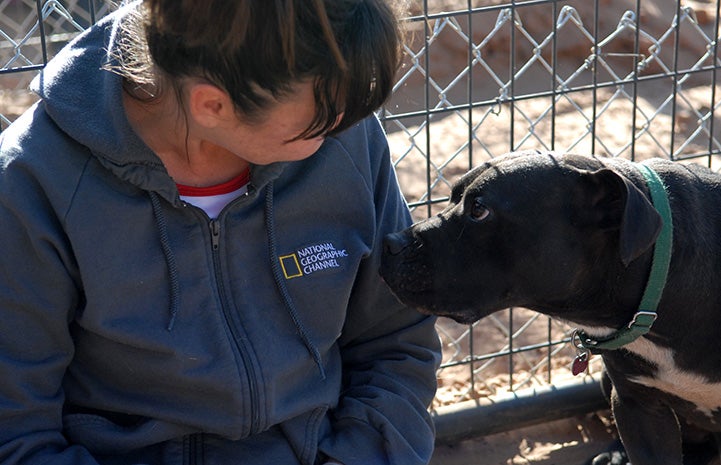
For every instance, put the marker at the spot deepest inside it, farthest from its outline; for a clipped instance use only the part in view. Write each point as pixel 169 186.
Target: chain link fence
pixel 31 31
pixel 629 78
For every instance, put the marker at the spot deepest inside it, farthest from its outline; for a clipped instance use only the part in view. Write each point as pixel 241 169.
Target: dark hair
pixel 350 49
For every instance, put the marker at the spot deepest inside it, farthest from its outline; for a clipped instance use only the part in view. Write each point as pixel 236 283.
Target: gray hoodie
pixel 136 330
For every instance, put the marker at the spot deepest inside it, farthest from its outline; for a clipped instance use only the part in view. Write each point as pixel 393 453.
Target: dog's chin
pixel 464 317
pixel 420 302
pixel 460 318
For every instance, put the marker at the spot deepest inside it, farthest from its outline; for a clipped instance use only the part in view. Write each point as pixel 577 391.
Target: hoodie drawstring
pixel 169 259
pixel 274 263
pixel 280 282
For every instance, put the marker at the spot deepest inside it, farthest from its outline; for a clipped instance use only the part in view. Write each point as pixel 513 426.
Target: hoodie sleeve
pixel 38 293
pixel 390 352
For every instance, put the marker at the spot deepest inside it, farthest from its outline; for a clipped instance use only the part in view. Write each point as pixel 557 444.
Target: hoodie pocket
pixel 102 436
pixel 304 432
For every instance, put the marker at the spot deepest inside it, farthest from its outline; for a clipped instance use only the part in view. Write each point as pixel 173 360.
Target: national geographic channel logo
pixel 311 259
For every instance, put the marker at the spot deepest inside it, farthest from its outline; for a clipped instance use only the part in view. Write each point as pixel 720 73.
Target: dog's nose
pixel 394 243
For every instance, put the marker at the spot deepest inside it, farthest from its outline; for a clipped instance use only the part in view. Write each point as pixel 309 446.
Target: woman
pixel 191 218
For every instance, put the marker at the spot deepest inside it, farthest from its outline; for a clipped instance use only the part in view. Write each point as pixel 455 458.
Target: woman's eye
pixel 479 211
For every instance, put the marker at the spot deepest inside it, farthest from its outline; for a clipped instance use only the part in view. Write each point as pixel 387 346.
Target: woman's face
pixel 274 138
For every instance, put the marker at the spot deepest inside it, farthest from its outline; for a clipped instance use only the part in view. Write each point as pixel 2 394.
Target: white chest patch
pixel 669 377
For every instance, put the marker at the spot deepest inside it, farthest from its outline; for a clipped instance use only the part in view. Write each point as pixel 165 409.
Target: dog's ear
pixel 616 203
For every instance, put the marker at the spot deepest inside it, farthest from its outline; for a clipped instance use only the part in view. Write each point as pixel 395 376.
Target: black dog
pixel 587 240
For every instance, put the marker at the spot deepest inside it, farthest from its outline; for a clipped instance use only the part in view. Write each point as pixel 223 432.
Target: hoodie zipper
pixel 194 449
pixel 237 338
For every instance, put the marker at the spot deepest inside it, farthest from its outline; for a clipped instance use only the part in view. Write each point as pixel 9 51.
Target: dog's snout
pixel 394 243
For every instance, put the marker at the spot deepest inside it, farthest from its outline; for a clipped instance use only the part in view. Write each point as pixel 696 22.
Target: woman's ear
pixel 210 106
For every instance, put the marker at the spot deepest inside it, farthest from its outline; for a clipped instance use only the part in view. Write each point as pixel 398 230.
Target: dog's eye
pixel 479 211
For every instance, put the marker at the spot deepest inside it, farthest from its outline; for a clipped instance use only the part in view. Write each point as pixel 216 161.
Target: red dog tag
pixel 580 363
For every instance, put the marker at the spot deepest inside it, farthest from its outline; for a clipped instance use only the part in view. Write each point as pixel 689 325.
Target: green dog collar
pixel 646 315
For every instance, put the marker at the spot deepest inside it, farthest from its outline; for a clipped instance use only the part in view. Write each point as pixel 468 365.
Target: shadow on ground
pixel 570 441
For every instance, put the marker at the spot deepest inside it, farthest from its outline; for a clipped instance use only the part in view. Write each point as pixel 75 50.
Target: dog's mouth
pixel 426 302
pixel 408 278
pixel 412 296
pixel 416 290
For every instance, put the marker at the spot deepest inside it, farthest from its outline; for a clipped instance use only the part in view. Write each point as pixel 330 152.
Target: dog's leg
pixel 616 455
pixel 701 451
pixel 650 433
pixel 717 440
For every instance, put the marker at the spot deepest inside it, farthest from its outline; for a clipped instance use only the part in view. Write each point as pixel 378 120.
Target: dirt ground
pixel 570 441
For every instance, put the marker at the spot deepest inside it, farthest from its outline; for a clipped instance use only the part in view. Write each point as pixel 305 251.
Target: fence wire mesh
pixel 630 78
pixel 31 31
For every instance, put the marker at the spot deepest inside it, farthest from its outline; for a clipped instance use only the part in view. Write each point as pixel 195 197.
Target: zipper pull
pixel 215 233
